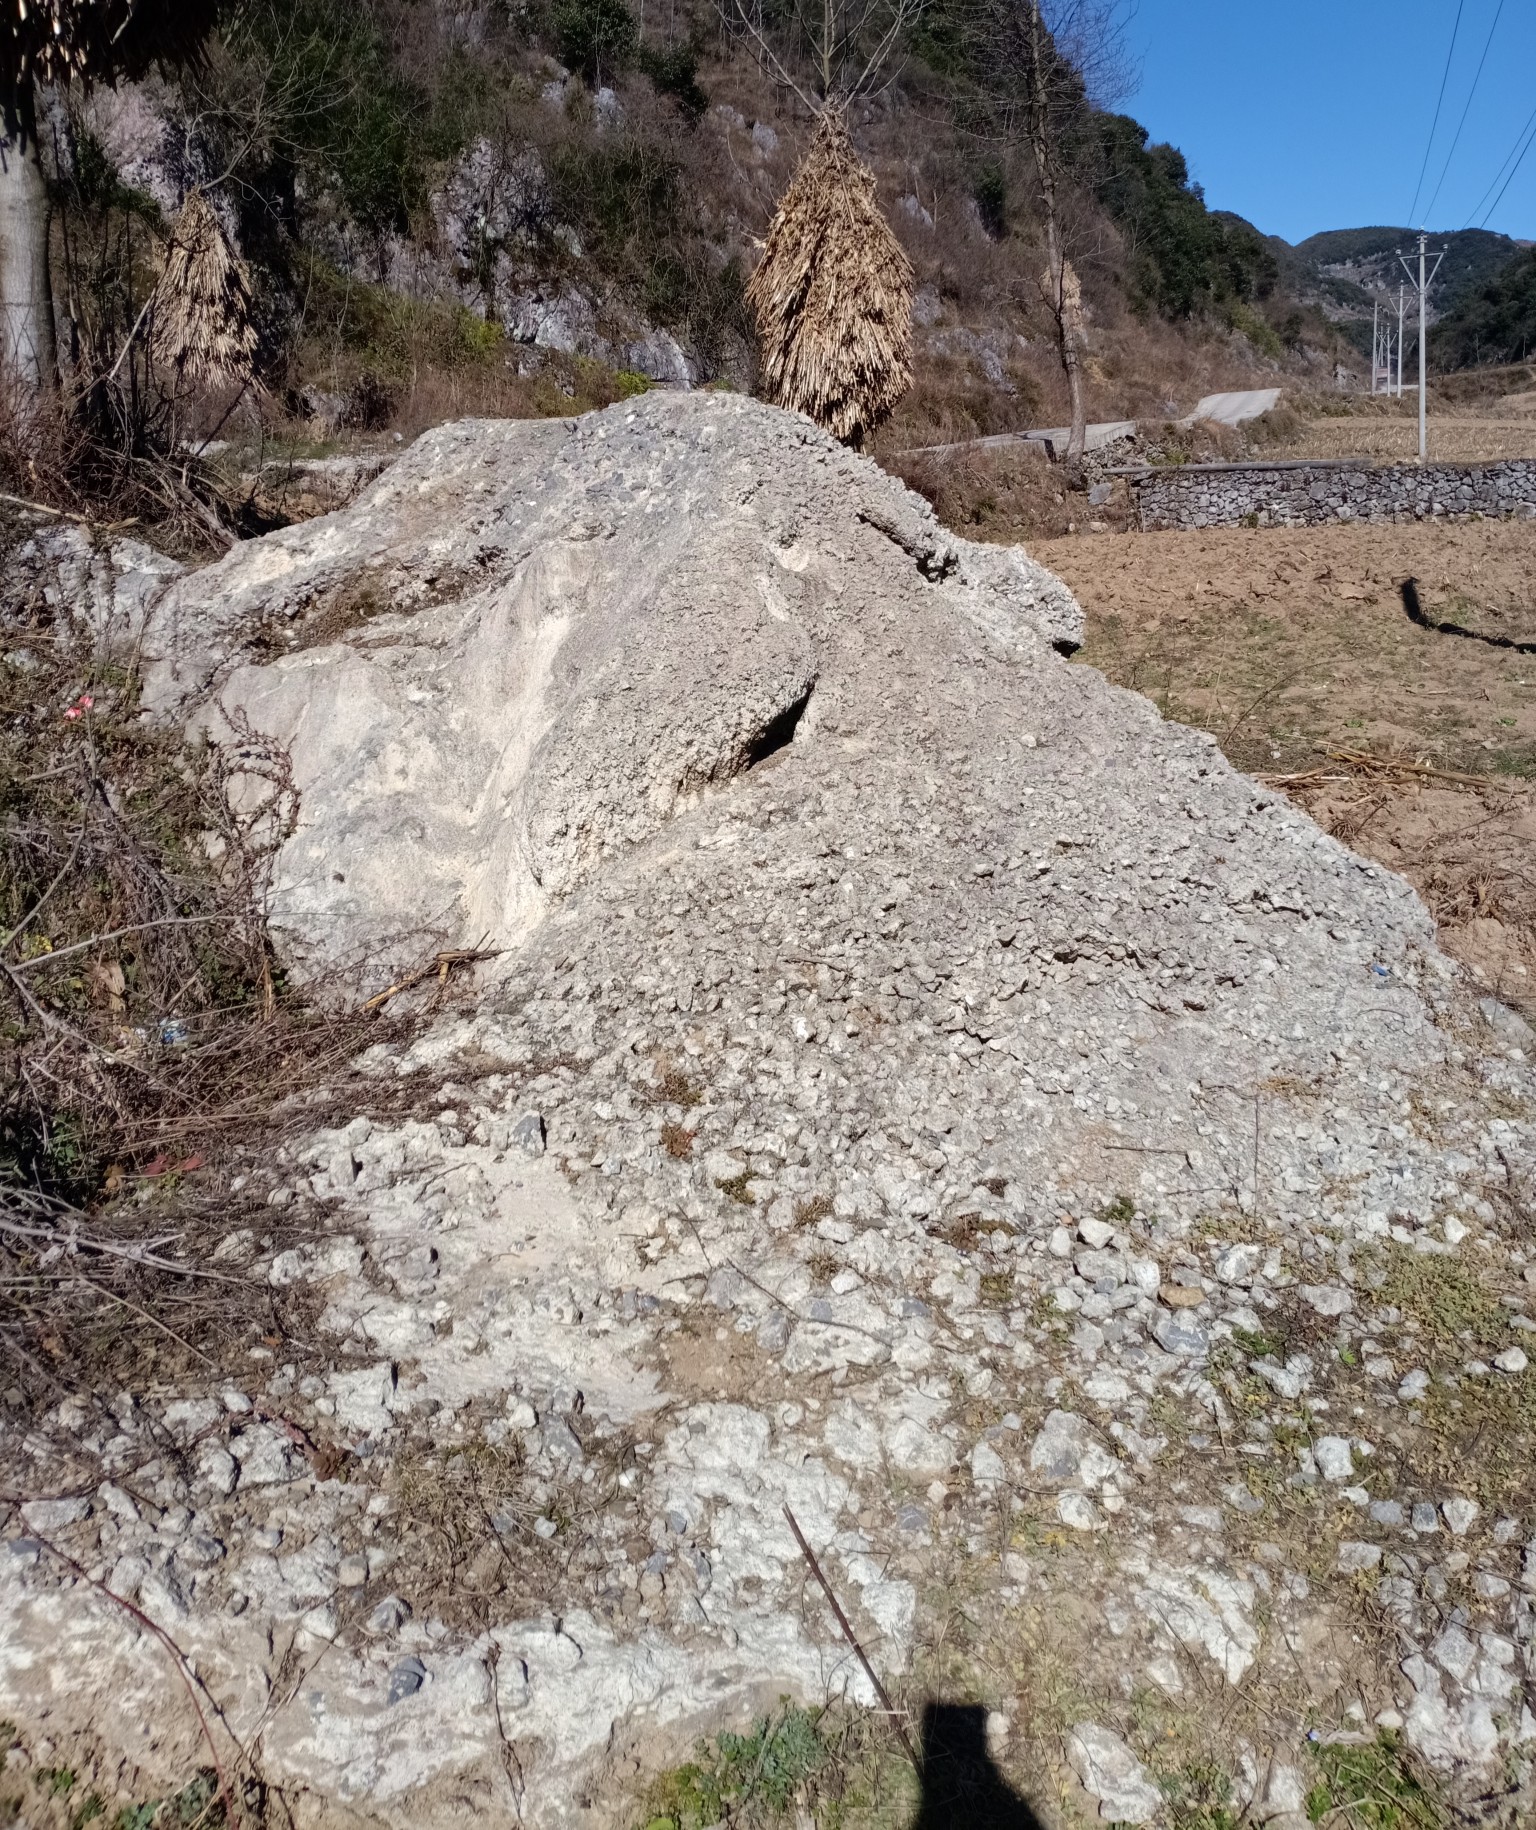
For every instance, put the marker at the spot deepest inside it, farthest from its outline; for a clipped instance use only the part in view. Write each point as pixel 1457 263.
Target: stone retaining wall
pixel 1305 495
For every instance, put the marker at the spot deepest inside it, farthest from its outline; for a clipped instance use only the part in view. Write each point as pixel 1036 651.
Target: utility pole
pixel 1424 283
pixel 1401 299
pixel 1375 345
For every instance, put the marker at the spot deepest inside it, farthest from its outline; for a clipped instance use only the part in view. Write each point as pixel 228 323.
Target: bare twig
pixel 144 1316
pixel 44 1016
pixel 509 1760
pixel 1397 765
pixel 69 865
pixel 896 1719
pixel 111 374
pixel 149 1260
pixel 98 940
pixel 66 514
pixel 441 964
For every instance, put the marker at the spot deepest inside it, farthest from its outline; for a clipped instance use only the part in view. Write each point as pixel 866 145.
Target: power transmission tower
pixel 1422 286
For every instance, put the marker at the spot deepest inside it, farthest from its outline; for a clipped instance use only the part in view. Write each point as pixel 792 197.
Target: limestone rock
pixel 859 1061
pixel 530 645
pixel 1112 1773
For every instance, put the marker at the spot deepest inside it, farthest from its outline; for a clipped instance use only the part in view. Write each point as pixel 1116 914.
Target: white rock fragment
pixel 1286 1794
pixel 266 1457
pixel 1067 1450
pixel 1111 1773
pixel 1460 1514
pixel 1146 1274
pixel 122 1506
pixel 1205 1610
pixel 1335 1461
pixel 915 1449
pixel 48 1516
pixel 1237 1264
pixel 1078 1513
pixel 365 1399
pixel 216 1468
pixel 987 1466
pixel 852 1437
pixel 1327 1299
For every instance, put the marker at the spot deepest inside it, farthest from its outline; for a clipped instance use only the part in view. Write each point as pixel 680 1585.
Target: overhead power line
pixel 1530 138
pixel 1429 208
pixel 1439 102
pixel 1516 152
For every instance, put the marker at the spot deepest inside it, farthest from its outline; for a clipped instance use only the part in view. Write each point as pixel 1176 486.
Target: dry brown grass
pixel 64 455
pixel 148 1041
pixel 1451 438
pixel 1013 494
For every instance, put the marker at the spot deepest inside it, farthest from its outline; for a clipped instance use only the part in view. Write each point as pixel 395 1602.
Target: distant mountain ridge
pixel 1344 271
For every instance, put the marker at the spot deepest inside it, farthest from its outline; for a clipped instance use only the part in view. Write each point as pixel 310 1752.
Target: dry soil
pixel 1293 648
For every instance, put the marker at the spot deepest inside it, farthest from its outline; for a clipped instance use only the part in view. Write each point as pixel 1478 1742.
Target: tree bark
pixel 1063 293
pixel 26 290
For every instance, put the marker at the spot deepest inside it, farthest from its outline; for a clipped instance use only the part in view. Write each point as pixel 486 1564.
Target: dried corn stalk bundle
pixel 202 328
pixel 833 294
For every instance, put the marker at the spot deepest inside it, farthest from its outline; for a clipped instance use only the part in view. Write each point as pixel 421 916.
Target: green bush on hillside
pixel 597 38
pixel 333 107
pixel 1495 325
pixel 674 72
pixel 1185 258
pixel 991 194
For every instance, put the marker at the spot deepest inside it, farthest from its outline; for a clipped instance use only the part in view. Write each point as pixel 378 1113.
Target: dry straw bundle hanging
pixel 202 306
pixel 833 294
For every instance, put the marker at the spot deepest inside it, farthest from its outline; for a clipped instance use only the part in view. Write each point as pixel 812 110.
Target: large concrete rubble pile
pixel 916 1084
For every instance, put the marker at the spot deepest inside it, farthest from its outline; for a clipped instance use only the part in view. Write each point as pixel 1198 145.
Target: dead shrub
pixel 147 1035
pixel 1007 495
pixel 40 447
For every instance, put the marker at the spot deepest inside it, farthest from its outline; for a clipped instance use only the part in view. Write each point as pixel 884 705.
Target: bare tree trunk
pixel 26 293
pixel 1063 293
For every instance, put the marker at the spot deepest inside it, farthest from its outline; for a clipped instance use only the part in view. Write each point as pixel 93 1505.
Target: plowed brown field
pixel 1293 648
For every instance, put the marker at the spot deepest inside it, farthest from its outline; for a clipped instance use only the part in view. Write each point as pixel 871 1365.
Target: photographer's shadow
pixel 961 1786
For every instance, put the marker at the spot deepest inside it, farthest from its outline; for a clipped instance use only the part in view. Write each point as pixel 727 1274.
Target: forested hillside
pixel 1492 323
pixel 1345 272
pixel 452 206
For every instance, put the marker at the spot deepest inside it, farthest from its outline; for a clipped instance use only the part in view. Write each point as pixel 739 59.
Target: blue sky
pixel 1315 114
